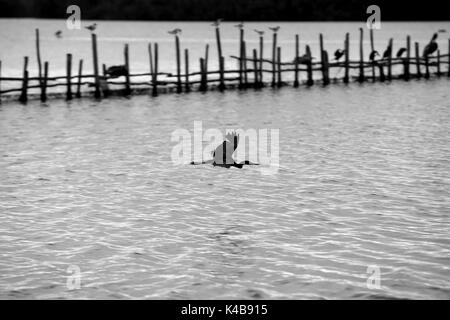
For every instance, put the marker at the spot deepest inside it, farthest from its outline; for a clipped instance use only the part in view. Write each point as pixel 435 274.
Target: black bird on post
pixel 387 53
pixel 92 27
pixel 274 52
pixel 400 52
pixel 431 47
pixel 338 54
pixel 373 55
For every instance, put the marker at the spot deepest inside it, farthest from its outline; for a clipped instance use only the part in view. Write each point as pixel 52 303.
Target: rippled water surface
pixel 363 181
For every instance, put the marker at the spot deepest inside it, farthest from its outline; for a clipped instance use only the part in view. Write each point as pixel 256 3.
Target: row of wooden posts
pixel 101 83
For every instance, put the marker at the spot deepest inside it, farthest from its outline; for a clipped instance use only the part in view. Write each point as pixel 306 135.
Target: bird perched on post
pixel 217 23
pixel 400 52
pixel 388 52
pixel 431 47
pixel 58 34
pixel 373 55
pixel 92 27
pixel 261 33
pixel 304 59
pixel 339 53
pixel 240 25
pixel 175 31
pixel 275 29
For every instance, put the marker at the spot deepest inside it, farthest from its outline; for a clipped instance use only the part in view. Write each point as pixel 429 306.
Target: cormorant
pixel 400 52
pixel 431 47
pixel 339 53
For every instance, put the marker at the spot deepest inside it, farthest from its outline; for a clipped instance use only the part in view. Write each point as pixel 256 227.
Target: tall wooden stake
pixel 372 48
pixel 419 73
pixel 296 82
pixel 24 94
pixel 38 55
pixel 177 48
pixel 390 45
pixel 361 77
pixel 80 71
pixel 274 58
pixel 44 83
pixel 127 66
pixel 155 72
pixel 186 70
pixel 95 58
pixel 69 77
pixel 347 54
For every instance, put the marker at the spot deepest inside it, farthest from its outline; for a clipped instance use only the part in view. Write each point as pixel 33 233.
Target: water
pixel 364 181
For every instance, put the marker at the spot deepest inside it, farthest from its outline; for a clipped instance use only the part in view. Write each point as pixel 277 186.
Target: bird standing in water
pixel 431 47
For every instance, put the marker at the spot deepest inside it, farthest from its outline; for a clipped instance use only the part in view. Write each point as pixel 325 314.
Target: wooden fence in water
pixel 249 73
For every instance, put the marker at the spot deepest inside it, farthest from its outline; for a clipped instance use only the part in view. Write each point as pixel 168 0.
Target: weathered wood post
pixel 80 71
pixel 104 82
pixel 427 67
pixel 347 54
pixel 177 48
pixel 419 73
pixel 255 69
pixel 207 57
pixel 155 72
pixel 203 86
pixel 150 56
pixel 279 81
pixel 44 83
pixel 296 82
pixel 372 48
pixel 95 59
pixel 438 61
pixel 361 76
pixel 241 56
pixel 69 77
pixel 38 56
pixel 261 55
pixel 309 81
pixel 127 67
pixel 0 81
pixel 244 52
pixel 448 52
pixel 408 57
pixel 24 94
pixel 222 75
pixel 219 44
pixel 326 69
pixel 322 65
pixel 274 58
pixel 186 70
pixel 390 45
pixel 381 70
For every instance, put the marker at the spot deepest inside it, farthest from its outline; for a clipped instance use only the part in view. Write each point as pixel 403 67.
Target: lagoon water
pixel 363 186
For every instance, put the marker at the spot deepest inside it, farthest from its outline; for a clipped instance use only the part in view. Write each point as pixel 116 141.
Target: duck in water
pixel 223 154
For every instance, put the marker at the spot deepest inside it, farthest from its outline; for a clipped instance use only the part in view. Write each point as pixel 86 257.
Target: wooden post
pixel 219 44
pixel 255 68
pixel 261 55
pixel 408 56
pixel 69 77
pixel 150 56
pixel 419 73
pixel 24 96
pixel 244 51
pixel 44 83
pixel 80 71
pixel 274 57
pixel 346 63
pixel 381 70
pixel 177 48
pixel 322 66
pixel 448 52
pixel 296 82
pixel 95 58
pixel 326 69
pixel 186 70
pixel 427 67
pixel 372 48
pixel 279 81
pixel 38 55
pixel 241 56
pixel 361 77
pixel 0 81
pixel 391 46
pixel 155 73
pixel 127 91
pixel 203 86
pixel 310 80
pixel 207 57
pixel 104 82
pixel 222 75
pixel 438 63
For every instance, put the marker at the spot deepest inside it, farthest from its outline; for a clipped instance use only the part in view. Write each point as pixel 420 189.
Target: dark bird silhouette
pixel 304 59
pixel 117 71
pixel 373 55
pixel 442 30
pixel 240 25
pixel 92 27
pixel 338 54
pixel 275 29
pixel 261 33
pixel 388 52
pixel 58 34
pixel 217 23
pixel 431 47
pixel 400 52
pixel 175 31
